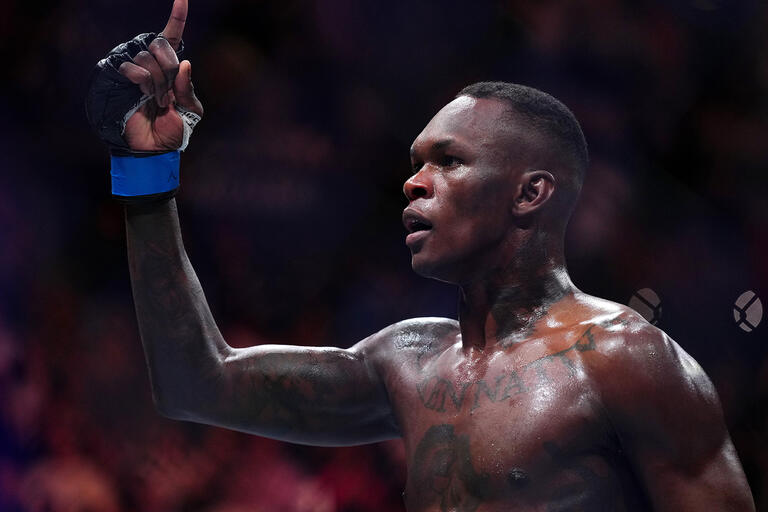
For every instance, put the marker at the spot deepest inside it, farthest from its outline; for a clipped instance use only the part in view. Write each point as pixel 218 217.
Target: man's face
pixel 460 196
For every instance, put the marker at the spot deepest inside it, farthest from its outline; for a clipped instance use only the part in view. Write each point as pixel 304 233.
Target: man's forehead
pixel 465 119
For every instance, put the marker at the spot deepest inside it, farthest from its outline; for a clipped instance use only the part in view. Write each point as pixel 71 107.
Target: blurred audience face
pixel 67 485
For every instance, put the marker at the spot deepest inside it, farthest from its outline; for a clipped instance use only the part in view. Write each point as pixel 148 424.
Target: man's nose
pixel 418 185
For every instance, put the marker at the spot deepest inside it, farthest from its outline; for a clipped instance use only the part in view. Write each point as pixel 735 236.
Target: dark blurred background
pixel 290 208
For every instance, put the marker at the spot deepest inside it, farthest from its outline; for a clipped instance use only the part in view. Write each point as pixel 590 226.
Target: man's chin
pixel 431 269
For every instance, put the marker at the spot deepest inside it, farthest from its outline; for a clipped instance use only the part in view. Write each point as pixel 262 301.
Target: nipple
pixel 517 478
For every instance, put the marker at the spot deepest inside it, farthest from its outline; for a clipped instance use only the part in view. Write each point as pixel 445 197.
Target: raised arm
pixel 324 396
pixel 669 420
pixel 142 104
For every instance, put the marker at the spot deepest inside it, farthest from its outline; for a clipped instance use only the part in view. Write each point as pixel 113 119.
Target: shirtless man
pixel 540 397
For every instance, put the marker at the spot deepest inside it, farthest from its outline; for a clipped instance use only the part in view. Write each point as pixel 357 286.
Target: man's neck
pixel 502 308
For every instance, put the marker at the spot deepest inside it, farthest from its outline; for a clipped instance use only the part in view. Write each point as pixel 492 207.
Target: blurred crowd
pixel 290 208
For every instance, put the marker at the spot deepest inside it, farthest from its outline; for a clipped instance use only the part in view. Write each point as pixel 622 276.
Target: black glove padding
pixel 111 95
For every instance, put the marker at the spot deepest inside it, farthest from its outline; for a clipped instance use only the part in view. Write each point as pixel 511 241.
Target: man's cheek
pixel 459 237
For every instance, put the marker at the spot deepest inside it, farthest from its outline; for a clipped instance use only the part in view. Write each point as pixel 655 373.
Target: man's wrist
pixel 145 178
pixel 150 209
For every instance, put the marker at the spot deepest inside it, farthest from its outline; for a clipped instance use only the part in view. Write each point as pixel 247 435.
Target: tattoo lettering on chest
pixel 443 395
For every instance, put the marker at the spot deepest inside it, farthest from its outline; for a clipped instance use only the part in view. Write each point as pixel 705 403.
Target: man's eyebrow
pixel 437 146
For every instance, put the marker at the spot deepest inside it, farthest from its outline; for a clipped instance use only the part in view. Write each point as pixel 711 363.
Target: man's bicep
pixel 714 482
pixel 310 395
pixel 671 424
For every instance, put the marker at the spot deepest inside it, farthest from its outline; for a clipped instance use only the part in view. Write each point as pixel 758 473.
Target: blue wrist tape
pixel 140 176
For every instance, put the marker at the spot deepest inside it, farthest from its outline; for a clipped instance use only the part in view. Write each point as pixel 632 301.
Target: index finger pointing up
pixel 175 26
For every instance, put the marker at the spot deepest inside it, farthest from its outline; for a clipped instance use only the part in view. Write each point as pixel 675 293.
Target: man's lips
pixel 415 221
pixel 416 237
pixel 417 224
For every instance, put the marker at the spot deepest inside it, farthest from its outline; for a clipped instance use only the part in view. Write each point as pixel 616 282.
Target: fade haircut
pixel 546 115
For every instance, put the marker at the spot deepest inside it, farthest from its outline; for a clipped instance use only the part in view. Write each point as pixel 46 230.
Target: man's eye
pixel 416 167
pixel 451 161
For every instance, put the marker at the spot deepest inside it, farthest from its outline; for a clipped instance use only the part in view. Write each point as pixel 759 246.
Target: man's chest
pixel 502 432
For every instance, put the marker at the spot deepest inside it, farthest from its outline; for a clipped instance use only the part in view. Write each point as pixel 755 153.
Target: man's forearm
pixel 182 345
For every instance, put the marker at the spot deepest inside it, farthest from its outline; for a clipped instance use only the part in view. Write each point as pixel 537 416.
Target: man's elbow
pixel 171 408
pixel 165 407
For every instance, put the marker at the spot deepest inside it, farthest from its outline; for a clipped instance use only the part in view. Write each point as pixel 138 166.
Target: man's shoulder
pixel 619 331
pixel 418 333
pixel 633 359
pixel 422 335
pixel 653 392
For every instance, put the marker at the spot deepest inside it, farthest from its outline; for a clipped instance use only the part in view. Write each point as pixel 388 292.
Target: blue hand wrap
pixel 143 176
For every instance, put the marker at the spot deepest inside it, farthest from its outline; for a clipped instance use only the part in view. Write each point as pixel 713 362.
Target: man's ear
pixel 535 189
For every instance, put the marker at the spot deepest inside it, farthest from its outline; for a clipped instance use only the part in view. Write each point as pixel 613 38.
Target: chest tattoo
pixel 443 395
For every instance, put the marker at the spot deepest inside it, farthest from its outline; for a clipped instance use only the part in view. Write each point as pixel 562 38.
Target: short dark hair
pixel 545 113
